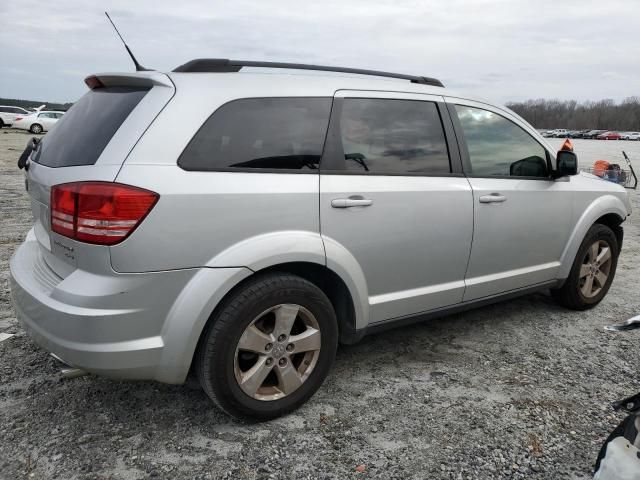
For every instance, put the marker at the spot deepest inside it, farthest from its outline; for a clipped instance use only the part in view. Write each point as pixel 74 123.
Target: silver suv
pixel 243 222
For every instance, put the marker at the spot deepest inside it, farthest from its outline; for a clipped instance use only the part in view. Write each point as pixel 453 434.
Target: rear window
pixel 261 133
pixel 84 131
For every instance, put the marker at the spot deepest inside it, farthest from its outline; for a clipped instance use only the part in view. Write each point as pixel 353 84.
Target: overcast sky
pixel 506 50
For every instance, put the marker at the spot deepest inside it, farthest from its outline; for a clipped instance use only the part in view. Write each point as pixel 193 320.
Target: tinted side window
pixel 498 146
pixel 393 136
pixel 261 133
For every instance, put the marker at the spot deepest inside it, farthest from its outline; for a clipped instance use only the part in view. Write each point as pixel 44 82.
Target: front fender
pixel 601 206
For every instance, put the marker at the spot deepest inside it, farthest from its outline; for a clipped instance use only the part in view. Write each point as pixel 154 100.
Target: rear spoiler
pixel 138 79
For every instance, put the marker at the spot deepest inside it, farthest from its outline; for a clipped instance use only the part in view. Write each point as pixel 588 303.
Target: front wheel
pixel 36 128
pixel 593 270
pixel 268 347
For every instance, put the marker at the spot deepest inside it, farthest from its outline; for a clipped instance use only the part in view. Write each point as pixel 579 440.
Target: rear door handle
pixel 353 201
pixel 493 198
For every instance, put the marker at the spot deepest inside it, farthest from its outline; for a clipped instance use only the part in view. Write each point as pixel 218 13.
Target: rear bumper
pixel 127 326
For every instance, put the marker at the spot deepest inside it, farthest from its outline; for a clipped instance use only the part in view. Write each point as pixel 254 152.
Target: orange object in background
pixel 567 145
pixel 600 167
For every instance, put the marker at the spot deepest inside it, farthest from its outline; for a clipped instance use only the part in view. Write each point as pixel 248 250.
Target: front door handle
pixel 493 198
pixel 353 201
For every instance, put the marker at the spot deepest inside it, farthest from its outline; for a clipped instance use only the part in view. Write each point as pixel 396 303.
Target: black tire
pixel 216 352
pixel 570 294
pixel 1 123
pixel 36 128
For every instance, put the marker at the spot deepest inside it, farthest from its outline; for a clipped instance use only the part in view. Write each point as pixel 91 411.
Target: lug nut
pixel 290 347
pixel 269 361
pixel 282 338
pixel 268 346
pixel 282 362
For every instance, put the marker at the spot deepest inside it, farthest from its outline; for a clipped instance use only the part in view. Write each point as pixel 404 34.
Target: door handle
pixel 353 201
pixel 493 198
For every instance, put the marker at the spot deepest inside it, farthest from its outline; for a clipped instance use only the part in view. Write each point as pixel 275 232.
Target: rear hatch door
pixel 90 143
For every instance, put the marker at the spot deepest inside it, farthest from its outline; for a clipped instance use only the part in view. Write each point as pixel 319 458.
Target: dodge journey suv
pixel 240 222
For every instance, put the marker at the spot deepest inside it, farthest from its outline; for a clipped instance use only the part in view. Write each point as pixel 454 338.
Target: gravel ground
pixel 516 390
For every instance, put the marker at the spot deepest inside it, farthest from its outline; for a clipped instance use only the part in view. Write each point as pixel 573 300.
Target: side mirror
pixel 566 164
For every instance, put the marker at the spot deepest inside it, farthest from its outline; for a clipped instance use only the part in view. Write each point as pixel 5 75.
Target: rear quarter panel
pixel 218 219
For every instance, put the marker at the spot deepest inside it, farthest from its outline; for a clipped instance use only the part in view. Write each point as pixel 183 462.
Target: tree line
pixel 598 115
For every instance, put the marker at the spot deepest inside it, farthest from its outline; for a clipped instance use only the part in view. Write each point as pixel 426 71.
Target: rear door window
pixel 261 133
pixel 388 136
pixel 85 130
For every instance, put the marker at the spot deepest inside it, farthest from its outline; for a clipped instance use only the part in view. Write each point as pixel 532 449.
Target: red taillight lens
pixel 99 212
pixel 17 118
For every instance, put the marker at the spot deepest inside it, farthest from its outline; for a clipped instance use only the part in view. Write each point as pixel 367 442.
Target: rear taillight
pixel 18 118
pixel 99 212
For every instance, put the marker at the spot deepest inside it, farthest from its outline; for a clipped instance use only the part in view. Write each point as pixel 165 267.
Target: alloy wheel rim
pixel 277 352
pixel 595 269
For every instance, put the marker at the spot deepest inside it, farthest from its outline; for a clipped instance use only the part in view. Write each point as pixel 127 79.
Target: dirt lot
pixel 515 390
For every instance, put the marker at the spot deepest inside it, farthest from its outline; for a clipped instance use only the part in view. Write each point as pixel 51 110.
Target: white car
pixel 38 122
pixel 8 114
pixel 631 136
pixel 560 133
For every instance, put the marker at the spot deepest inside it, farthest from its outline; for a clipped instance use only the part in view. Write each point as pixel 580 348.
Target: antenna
pixel 139 68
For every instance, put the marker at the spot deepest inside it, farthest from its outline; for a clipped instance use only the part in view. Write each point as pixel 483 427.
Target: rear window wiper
pixel 32 146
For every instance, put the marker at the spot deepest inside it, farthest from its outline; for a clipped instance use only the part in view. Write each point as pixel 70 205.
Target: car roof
pixel 266 82
pixel 278 82
pixel 305 83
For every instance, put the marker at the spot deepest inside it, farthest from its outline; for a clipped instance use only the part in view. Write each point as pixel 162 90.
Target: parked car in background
pixel 560 133
pixel 8 114
pixel 242 285
pixel 609 136
pixel 630 135
pixel 578 133
pixel 38 122
pixel 593 133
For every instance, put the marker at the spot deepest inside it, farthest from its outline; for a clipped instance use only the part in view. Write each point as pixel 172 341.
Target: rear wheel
pixel 592 272
pixel 268 348
pixel 1 123
pixel 36 128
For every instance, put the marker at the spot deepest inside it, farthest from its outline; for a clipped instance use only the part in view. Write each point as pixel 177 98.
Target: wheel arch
pixel 326 264
pixel 333 286
pixel 313 257
pixel 614 222
pixel 607 210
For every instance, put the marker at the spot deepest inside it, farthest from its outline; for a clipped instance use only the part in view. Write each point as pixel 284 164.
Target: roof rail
pixel 212 65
